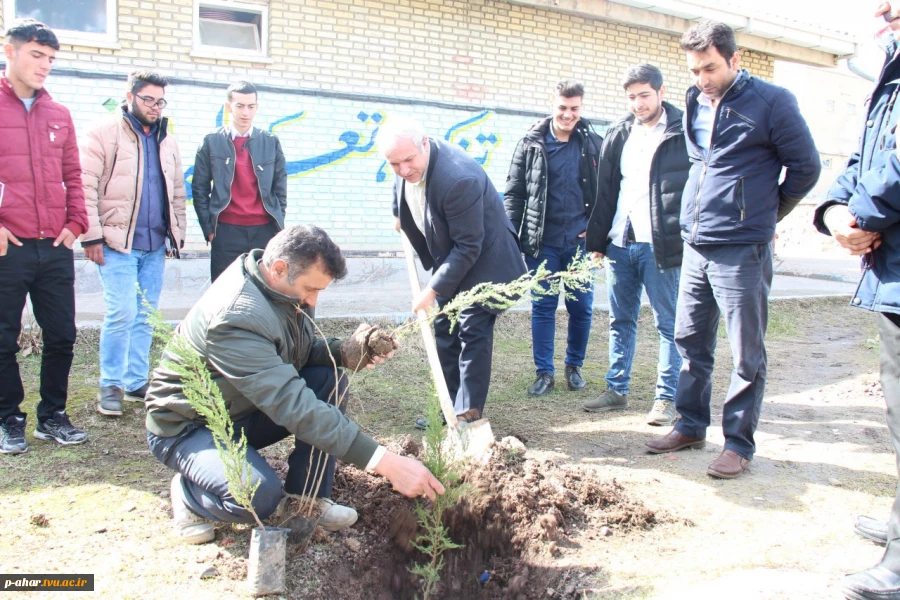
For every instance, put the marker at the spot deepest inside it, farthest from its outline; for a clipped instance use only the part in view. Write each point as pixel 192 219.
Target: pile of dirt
pixel 517 518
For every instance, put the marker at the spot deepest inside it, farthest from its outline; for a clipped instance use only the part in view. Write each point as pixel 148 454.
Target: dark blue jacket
pixel 468 237
pixel 870 186
pixel 733 195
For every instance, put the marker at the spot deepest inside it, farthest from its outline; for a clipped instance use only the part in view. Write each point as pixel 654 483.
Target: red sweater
pixel 40 171
pixel 246 207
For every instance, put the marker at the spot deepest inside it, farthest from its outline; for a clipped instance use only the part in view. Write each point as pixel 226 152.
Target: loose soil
pixel 584 513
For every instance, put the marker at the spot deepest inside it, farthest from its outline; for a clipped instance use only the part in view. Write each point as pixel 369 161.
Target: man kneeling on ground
pixel 252 328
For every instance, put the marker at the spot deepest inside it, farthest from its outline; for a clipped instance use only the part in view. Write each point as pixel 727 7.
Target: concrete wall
pixel 477 72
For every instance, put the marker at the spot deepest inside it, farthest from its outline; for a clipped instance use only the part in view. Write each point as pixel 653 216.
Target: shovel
pixel 468 439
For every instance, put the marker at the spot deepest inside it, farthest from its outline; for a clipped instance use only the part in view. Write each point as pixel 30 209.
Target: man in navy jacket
pixel 741 131
pixel 453 216
pixel 862 213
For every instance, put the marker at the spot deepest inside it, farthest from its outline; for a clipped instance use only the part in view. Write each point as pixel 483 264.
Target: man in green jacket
pixel 253 330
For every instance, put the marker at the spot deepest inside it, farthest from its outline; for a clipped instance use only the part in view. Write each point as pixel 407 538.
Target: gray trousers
pixel 730 280
pixel 193 454
pixel 889 332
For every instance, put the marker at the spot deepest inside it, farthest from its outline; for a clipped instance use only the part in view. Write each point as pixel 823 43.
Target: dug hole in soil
pixel 517 518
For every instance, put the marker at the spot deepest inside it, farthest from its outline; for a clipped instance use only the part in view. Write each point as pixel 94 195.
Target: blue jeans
pixel 126 336
pixel 631 270
pixel 193 453
pixel 543 313
pixel 731 280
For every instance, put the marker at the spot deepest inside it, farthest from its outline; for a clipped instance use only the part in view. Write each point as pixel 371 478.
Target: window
pixel 240 29
pixel 73 21
pixel 851 109
pixel 829 105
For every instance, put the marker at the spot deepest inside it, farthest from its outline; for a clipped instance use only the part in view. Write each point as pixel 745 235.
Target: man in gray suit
pixel 453 216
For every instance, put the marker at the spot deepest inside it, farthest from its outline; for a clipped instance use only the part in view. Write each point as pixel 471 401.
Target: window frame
pixel 110 39
pixel 224 52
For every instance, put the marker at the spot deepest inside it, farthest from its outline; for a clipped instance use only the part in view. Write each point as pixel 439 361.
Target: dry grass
pixel 783 530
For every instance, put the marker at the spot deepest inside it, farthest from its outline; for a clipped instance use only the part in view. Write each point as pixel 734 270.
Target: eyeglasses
pixel 151 102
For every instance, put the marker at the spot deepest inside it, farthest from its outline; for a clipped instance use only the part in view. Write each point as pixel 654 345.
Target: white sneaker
pixel 335 516
pixel 190 527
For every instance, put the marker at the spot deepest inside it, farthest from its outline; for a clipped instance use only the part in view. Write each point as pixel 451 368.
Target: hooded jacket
pixel 253 341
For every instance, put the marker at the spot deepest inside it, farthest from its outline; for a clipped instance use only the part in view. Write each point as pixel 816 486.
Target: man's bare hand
pixel 7 238
pixel 396 224
pixel 845 231
pixel 425 300
pixel 94 253
pixel 65 237
pixel 409 476
pixel 358 353
pixel 597 257
pixel 210 237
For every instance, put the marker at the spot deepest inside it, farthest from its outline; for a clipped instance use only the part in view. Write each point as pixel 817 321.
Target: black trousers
pixel 47 274
pixel 465 356
pixel 233 240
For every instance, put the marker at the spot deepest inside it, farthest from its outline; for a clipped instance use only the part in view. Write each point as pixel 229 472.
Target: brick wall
pixel 476 71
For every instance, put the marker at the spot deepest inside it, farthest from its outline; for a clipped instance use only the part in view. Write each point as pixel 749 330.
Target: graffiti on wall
pixel 470 134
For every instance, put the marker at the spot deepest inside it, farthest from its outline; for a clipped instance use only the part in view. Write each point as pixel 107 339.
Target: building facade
pixel 475 72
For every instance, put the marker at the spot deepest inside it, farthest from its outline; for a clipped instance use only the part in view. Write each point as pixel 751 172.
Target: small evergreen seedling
pixel 439 457
pixel 204 396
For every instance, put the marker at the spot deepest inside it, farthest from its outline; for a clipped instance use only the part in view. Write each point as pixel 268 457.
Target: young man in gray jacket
pixel 253 329
pixel 239 184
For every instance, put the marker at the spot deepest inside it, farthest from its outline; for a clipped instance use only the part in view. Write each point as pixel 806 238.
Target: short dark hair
pixel 241 87
pixel 569 88
pixel 138 80
pixel 644 73
pixel 706 34
pixel 302 246
pixel 30 30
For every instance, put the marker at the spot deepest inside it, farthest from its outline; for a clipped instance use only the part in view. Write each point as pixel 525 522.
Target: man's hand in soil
pixel 409 476
pixel 7 238
pixel 94 253
pixel 425 300
pixel 843 227
pixel 355 353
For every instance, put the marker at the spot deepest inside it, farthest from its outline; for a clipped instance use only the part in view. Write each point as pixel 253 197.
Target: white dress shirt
pixel 634 192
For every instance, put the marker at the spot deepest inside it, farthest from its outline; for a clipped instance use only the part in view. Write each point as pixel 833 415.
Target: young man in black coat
pixel 550 191
pixel 643 168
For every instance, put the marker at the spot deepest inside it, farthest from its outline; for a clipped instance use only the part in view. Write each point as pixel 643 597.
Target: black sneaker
pixel 138 395
pixel 60 428
pixel 12 436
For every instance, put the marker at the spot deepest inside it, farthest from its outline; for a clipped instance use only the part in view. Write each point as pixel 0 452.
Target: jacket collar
pixel 539 129
pixel 6 88
pixel 742 80
pixel 251 268
pixel 129 121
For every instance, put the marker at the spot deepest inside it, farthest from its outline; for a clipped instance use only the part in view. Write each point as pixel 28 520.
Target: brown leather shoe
pixel 728 466
pixel 673 441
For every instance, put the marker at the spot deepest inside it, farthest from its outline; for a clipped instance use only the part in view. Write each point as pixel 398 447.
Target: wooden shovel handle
pixel 428 338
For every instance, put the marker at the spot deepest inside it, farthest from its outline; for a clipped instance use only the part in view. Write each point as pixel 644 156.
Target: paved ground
pixel 379 286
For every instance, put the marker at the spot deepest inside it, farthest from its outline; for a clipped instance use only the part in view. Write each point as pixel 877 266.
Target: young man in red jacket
pixel 41 214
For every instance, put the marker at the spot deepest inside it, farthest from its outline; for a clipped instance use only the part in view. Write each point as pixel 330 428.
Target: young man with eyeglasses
pixel 239 185
pixel 41 215
pixel 135 197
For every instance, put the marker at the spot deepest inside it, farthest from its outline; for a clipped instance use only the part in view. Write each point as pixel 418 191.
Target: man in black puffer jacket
pixel 643 168
pixel 550 192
